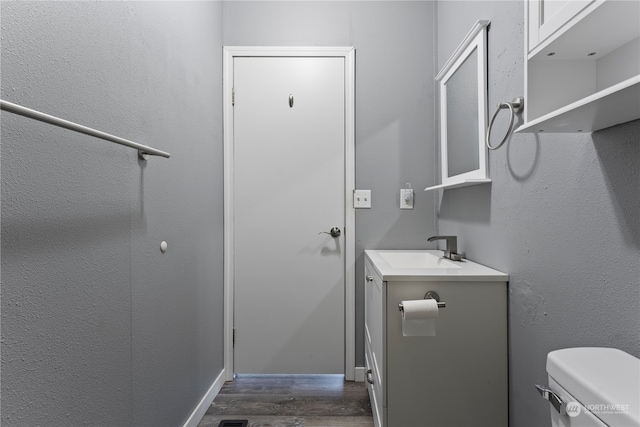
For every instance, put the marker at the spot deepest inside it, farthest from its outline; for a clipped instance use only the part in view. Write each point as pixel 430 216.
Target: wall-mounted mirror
pixel 463 112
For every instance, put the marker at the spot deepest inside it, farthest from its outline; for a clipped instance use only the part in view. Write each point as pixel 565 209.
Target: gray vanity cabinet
pixel 456 378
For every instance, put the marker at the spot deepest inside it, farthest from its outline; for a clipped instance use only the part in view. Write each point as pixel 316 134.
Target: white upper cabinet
pixel 582 67
pixel 546 17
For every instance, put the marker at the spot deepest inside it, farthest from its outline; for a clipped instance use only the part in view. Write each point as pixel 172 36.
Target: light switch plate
pixel 362 199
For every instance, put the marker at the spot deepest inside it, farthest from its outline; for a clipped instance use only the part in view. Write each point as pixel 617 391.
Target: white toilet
pixel 593 387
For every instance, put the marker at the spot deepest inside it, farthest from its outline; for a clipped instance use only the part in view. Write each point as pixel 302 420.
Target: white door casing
pixel 347 240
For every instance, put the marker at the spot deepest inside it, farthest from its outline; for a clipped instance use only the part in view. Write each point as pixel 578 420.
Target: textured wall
pixel 561 217
pixel 98 326
pixel 394 105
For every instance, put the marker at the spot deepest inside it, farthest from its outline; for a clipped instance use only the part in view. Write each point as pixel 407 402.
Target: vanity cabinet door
pixel 458 377
pixel 374 342
pixel 548 16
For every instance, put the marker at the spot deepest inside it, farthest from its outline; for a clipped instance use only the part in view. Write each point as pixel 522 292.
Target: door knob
pixel 334 232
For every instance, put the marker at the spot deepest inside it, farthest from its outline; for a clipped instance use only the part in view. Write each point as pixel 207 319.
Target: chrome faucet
pixel 451 250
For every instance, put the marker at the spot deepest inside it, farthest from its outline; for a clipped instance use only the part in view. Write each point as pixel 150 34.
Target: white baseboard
pixel 360 373
pixel 205 402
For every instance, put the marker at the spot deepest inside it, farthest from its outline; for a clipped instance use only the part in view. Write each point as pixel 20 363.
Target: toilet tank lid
pixel 604 380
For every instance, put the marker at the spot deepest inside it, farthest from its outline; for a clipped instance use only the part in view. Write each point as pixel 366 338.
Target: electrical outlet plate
pixel 362 199
pixel 406 198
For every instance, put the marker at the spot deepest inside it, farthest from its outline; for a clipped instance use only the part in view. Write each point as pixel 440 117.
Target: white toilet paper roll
pixel 418 318
pixel 420 309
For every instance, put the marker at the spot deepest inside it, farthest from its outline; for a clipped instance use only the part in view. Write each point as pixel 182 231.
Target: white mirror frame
pixel 476 40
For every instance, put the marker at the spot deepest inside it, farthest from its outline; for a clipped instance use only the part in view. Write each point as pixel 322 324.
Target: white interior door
pixel 289 186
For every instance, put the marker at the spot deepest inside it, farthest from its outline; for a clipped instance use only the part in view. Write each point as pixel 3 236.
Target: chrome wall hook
pixel 516 106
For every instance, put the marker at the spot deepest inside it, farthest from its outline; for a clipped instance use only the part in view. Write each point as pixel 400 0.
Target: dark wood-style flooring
pixel 291 400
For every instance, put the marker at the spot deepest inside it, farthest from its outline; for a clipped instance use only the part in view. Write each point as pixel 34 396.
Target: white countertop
pixel 448 270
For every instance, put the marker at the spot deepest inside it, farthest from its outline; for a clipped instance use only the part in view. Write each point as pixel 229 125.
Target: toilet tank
pixel 598 386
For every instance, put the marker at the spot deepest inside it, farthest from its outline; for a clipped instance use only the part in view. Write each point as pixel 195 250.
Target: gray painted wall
pixel 561 217
pixel 98 326
pixel 394 105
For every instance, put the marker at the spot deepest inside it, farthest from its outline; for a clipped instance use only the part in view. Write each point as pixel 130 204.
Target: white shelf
pixel 458 184
pixel 584 74
pixel 617 104
pixel 585 32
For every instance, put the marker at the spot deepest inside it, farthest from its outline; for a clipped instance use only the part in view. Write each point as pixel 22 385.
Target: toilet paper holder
pixel 429 295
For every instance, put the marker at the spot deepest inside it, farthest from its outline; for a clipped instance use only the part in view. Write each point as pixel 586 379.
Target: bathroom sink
pixel 422 259
pixel 428 265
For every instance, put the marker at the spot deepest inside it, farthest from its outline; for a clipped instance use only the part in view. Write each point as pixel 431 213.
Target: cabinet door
pixel 458 377
pixel 374 341
pixel 548 16
pixel 374 315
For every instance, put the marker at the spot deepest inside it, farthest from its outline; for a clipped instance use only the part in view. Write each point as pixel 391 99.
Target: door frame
pixel 348 53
